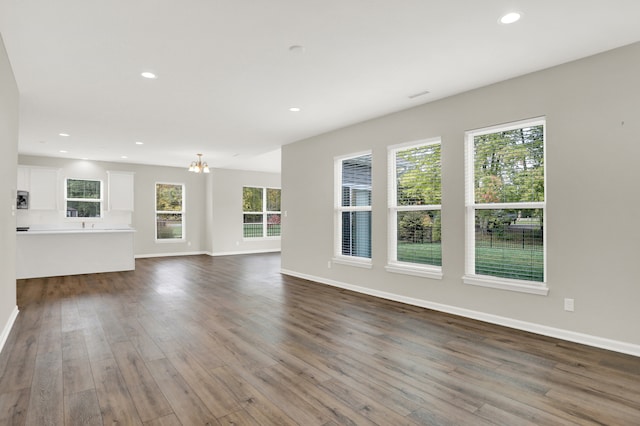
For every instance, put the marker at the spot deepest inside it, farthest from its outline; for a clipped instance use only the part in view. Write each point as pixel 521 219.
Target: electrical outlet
pixel 568 305
pixel 329 264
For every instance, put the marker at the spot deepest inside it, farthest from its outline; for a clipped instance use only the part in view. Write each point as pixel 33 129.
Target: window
pixel 261 212
pixel 415 196
pixel 169 212
pixel 353 210
pixel 505 207
pixel 83 198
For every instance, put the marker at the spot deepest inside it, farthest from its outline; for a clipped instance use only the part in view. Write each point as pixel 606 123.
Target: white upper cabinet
pixel 42 186
pixel 24 177
pixel 121 190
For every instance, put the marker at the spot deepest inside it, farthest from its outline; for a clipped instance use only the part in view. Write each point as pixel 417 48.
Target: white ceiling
pixel 227 76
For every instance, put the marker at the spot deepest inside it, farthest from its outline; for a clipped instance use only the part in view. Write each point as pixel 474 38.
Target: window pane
pixel 508 166
pixel 419 237
pixel 168 197
pixel 80 188
pixel 253 225
pixel 169 226
pixel 273 225
pixel 356 234
pixel 251 199
pixel 418 176
pixel 356 181
pixel 509 244
pixel 273 200
pixel 83 209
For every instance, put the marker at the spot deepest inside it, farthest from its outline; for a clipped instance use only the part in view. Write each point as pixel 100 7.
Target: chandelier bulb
pixel 199 166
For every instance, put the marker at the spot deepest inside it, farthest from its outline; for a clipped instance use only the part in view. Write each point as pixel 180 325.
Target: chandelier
pixel 199 166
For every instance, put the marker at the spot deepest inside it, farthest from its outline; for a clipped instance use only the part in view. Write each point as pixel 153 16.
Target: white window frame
pixel 182 212
pixel 338 257
pixel 470 277
pixel 91 200
pixel 265 214
pixel 393 264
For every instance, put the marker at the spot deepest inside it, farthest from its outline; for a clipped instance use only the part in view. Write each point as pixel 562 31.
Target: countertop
pixel 73 231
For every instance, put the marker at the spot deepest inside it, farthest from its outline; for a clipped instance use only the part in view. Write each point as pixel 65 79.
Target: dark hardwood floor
pixel 228 340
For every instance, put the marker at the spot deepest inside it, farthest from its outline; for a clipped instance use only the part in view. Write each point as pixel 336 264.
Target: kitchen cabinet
pixel 24 174
pixel 121 190
pixel 50 253
pixel 42 183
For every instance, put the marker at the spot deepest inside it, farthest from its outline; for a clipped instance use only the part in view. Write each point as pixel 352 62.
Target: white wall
pixel 592 108
pixel 225 207
pixel 143 217
pixel 9 102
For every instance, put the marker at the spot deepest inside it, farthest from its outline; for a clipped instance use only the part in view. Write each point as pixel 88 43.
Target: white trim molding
pixel 7 328
pixel 359 262
pixel 558 333
pixel 186 253
pixel 417 271
pixel 233 253
pixel 208 253
pixel 530 287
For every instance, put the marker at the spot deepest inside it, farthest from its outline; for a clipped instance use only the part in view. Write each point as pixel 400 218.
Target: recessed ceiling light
pixel 63 134
pixel 63 151
pixel 148 74
pixel 139 143
pixel 294 109
pixel 510 18
pixel 124 156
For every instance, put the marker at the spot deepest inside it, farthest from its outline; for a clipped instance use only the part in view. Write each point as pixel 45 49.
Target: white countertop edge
pixel 73 231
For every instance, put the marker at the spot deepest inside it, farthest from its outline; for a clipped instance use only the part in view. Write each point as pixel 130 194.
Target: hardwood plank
pixel 115 402
pixel 145 393
pixel 73 346
pixel 141 340
pixel 82 409
pixel 213 393
pixel 185 403
pixel 239 418
pixel 69 315
pixel 46 398
pixel 13 407
pixel 19 374
pixel 169 420
pixel 96 344
pixel 76 375
pixel 257 405
pixel 366 406
pixel 285 399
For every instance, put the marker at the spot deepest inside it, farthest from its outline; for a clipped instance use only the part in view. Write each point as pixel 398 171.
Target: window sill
pixel 358 262
pixel 273 238
pixel 170 240
pixel 540 289
pixel 433 272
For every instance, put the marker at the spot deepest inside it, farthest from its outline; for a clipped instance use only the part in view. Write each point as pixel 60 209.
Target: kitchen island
pixel 55 252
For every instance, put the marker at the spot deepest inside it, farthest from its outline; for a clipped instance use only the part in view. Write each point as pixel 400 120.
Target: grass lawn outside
pixel 254 230
pixel 516 263
pixel 425 253
pixel 520 264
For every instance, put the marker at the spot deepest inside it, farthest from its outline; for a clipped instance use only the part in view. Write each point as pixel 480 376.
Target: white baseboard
pixel 571 336
pixel 7 328
pixel 233 253
pixel 182 253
